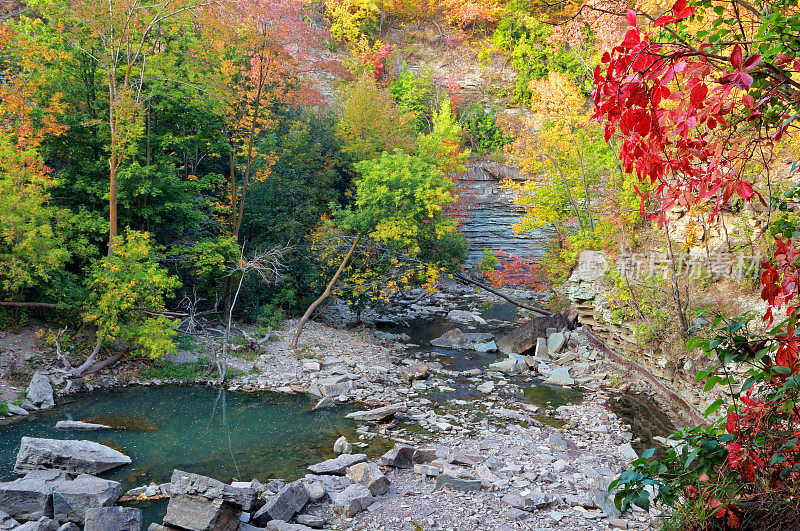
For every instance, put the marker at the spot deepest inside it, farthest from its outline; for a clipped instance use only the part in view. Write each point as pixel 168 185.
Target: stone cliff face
pixel 490 214
pixel 674 374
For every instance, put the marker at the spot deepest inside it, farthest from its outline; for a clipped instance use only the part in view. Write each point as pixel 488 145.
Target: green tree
pixel 401 201
pixel 127 302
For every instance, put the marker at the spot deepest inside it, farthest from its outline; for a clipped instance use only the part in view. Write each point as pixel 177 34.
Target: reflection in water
pixel 204 430
pixel 646 419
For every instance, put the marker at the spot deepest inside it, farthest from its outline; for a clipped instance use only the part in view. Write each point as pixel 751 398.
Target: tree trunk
pixel 326 293
pixel 113 163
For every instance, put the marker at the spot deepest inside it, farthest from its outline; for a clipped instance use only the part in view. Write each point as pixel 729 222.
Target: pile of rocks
pixel 60 489
pixel 39 395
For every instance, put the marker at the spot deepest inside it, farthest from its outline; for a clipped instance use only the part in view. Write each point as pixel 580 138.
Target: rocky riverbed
pixel 521 439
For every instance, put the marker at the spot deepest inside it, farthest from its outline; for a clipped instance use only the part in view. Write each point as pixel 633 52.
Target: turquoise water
pixel 198 429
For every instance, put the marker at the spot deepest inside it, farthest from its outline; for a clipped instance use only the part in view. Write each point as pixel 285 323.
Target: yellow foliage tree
pixel 368 122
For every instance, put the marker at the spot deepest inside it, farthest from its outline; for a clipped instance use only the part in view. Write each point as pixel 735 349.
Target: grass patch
pixel 164 370
pixel 186 342
pixel 3 410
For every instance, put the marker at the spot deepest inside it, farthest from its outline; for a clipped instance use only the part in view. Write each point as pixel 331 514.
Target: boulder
pixel 342 446
pixel 401 456
pixel 31 497
pixel 489 346
pixel 79 425
pixel 72 499
pixel 352 500
pixel 40 391
pixel 198 513
pixel 541 351
pixel 69 526
pixel 377 414
pixel 188 483
pixel 6 522
pixel 337 466
pixel 560 376
pixel 315 489
pixel 463 316
pixel 16 410
pixel 455 339
pixel 75 457
pixel 415 372
pixel 113 519
pixel 336 386
pixel 424 455
pixel 510 366
pixel 367 474
pixel 289 501
pixel 524 338
pixel 555 342
pixel 42 524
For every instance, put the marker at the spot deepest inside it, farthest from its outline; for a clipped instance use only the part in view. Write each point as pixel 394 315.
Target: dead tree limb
pixel 326 293
pixel 467 280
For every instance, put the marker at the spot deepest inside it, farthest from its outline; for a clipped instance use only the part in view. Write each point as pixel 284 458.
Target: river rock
pixel 75 457
pixel 280 525
pixel 525 336
pixel 352 500
pixel 31 497
pixel 198 513
pixel 541 351
pixel 465 317
pixel 560 376
pixel 6 522
pixel 188 483
pixel 486 387
pixel 401 456
pixel 42 524
pixel 16 410
pixel 455 339
pixel 72 499
pixel 40 391
pixel 289 501
pixel 336 386
pixel 489 346
pixel 337 466
pixel 113 519
pixel 79 425
pixel 415 372
pixel 342 446
pixel 509 366
pixel 367 474
pixel 555 342
pixel 315 490
pixel 378 414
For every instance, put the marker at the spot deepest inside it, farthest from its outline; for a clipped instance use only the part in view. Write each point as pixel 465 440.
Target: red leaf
pixel 698 94
pixel 631 17
pixel 751 62
pixel 748 101
pixel 736 57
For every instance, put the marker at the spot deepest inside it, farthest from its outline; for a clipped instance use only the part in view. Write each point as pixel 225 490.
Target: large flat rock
pixel 377 414
pixel 72 499
pixel 338 466
pixel 31 497
pixel 195 484
pixel 75 457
